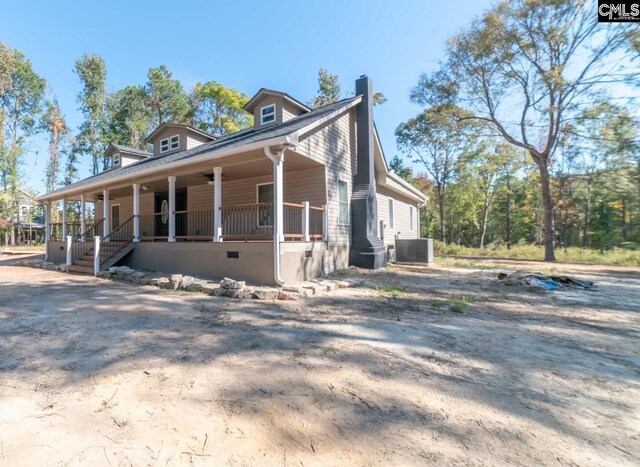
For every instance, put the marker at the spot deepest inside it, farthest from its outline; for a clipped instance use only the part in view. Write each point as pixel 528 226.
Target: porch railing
pixel 57 235
pixel 241 222
pixel 83 243
pixel 116 240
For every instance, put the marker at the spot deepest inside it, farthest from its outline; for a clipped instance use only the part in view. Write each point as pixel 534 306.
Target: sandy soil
pixel 105 373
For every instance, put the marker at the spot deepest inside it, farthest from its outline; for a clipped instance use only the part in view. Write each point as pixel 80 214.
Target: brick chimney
pixel 367 250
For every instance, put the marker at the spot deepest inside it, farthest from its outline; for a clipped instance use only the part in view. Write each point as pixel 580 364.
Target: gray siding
pixel 334 145
pixel 284 109
pixel 402 219
pixel 188 140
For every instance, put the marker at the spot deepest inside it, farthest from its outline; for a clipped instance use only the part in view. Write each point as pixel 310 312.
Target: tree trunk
pixel 485 216
pixel 587 219
pixel 547 205
pixel 508 213
pixel 442 220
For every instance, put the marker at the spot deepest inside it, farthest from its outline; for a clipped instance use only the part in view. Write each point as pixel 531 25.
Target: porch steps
pixel 84 264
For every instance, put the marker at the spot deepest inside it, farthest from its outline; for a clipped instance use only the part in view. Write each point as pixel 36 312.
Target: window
pixel 264 195
pixel 175 142
pixel 115 160
pixel 343 202
pixel 411 218
pixel 391 213
pixel 268 114
pixel 24 210
pixel 164 145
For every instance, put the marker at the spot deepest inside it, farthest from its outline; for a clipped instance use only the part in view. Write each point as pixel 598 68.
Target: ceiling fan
pixel 211 176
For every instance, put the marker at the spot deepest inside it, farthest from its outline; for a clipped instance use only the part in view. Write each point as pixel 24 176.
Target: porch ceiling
pixel 245 165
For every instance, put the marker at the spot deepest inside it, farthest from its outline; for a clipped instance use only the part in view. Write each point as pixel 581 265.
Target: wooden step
pixel 80 269
pixel 84 262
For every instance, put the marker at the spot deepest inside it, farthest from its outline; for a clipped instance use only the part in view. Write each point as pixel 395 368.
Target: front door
pixel 161 227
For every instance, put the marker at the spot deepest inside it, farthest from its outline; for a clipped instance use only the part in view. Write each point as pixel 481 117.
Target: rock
pixel 210 288
pixel 285 295
pixel 121 270
pixel 145 280
pixel 330 285
pixel 303 292
pixel 195 287
pixel 117 276
pixel 162 282
pixel 175 278
pixel 354 281
pixel 313 289
pixel 219 292
pixel 228 283
pixel 186 281
pixel 104 274
pixel 266 294
pixel 343 284
pixel 138 274
pixel 154 280
pixel 61 267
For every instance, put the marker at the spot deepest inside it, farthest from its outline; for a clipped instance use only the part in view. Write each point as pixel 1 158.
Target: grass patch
pixel 391 292
pixel 437 304
pixel 615 257
pixel 459 305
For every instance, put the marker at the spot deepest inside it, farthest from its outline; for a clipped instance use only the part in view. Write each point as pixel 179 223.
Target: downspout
pixel 277 160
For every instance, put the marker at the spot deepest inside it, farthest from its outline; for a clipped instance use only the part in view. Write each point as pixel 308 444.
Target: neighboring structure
pixel 27 222
pixel 301 192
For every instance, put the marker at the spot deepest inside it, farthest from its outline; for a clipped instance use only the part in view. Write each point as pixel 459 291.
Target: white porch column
pixel 305 221
pixel 105 214
pixel 278 197
pixel 69 242
pixel 96 255
pixel 136 212
pixel 64 219
pixel 325 223
pixel 83 219
pixel 217 204
pixel 47 228
pixel 172 209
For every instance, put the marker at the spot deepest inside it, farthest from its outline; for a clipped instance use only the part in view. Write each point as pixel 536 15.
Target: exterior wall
pixel 284 109
pixel 206 259
pixel 188 140
pixel 334 145
pixel 295 266
pixel 57 252
pixel 402 220
pixel 127 160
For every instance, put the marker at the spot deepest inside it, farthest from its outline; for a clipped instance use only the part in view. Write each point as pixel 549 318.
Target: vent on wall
pixel 308 254
pixel 233 254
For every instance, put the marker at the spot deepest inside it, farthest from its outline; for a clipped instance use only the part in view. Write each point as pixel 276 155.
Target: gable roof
pixel 126 150
pixel 166 125
pixel 286 132
pixel 250 106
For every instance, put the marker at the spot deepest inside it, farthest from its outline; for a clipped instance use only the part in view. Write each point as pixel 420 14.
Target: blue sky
pixel 244 44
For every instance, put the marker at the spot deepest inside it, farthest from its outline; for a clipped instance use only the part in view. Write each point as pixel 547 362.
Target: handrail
pixel 118 229
pixel 86 234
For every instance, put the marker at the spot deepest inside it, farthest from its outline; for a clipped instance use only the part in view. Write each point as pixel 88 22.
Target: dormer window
pixel 170 143
pixel 115 160
pixel 268 114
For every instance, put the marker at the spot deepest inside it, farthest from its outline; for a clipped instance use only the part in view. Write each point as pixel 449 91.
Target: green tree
pixel 438 140
pixel 534 59
pixel 129 117
pixel 329 90
pixel 55 125
pixel 21 104
pixel 166 97
pixel 219 110
pixel 91 138
pixel 398 167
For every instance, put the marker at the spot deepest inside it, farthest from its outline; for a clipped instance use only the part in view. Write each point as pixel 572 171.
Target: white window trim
pixel 258 201
pixel 177 137
pixel 411 219
pixel 392 214
pixel 272 106
pixel 115 159
pixel 162 141
pixel 348 203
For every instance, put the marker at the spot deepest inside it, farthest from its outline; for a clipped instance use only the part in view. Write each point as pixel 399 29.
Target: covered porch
pixel 248 197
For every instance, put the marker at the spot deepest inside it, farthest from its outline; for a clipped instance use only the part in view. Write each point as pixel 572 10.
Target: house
pixel 301 192
pixel 26 224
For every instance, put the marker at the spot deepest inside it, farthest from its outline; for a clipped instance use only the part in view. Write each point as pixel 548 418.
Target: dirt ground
pixel 106 373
